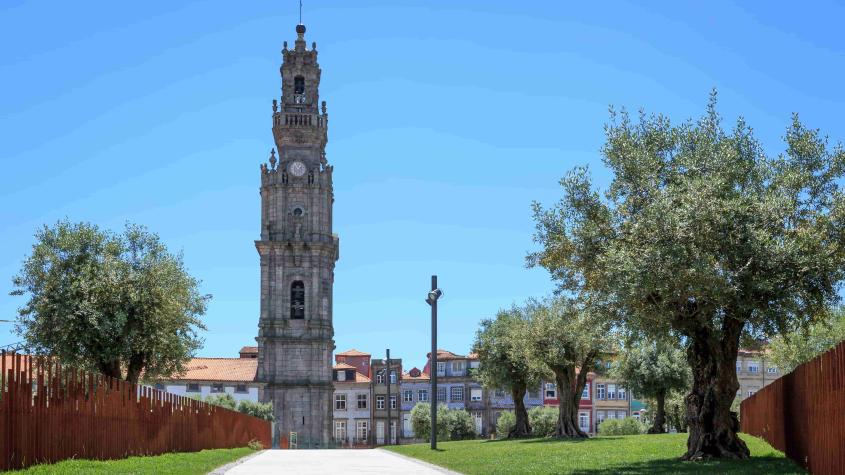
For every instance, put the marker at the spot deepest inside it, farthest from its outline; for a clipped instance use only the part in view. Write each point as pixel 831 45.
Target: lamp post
pixel 432 301
pixel 387 380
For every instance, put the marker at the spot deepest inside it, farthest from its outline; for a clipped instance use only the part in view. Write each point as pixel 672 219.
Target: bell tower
pixel 298 251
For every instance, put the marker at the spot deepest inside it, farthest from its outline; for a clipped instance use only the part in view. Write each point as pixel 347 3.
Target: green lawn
pixel 634 454
pixel 182 463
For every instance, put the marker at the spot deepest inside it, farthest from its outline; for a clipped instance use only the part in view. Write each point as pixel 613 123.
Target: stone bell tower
pixel 298 253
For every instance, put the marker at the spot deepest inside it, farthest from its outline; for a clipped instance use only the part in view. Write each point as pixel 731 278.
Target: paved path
pixel 317 462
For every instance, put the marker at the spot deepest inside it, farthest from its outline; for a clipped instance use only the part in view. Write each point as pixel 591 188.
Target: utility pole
pixel 387 378
pixel 432 300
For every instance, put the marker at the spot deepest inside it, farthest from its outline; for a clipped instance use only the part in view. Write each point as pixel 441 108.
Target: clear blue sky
pixel 447 120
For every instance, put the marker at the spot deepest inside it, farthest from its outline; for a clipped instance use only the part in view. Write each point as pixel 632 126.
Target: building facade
pixel 216 376
pixel 414 387
pixel 352 416
pixel 586 415
pixel 754 370
pixel 297 254
pixel 386 392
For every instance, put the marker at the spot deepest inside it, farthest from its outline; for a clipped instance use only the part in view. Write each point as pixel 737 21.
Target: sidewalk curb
pixel 225 468
pixel 420 462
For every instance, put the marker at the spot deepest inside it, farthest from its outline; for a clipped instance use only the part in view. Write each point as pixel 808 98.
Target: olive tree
pixel 652 369
pixel 567 338
pixel 503 363
pixel 702 234
pixel 120 304
pixel 792 349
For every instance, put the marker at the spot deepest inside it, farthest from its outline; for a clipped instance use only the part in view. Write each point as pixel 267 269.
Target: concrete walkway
pixel 350 461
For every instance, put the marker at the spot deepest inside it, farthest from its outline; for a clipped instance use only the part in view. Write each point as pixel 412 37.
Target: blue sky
pixel 447 120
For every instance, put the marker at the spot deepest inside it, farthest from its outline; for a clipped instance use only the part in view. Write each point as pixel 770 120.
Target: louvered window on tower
pixel 299 85
pixel 297 300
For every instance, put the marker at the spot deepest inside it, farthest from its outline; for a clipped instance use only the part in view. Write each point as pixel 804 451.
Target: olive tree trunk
pixel 712 425
pixel 659 424
pixel 521 428
pixel 570 397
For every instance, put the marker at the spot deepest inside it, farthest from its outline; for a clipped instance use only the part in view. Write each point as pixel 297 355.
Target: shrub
pixel 255 444
pixel 459 424
pixel 543 421
pixel 223 400
pixel 506 422
pixel 257 409
pixel 626 426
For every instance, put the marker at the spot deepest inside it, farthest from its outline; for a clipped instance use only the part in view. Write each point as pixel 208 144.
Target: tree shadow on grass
pixel 544 440
pixel 756 465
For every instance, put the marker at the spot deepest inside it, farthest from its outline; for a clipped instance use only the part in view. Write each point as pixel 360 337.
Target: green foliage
pixel 626 426
pixel 633 454
pixel 223 400
pixel 505 423
pixel 647 367
pixel 452 424
pixel 503 361
pixel 701 235
pixel 255 444
pixel 261 410
pixel 459 424
pixel 792 349
pixel 543 421
pixel 120 304
pixel 676 410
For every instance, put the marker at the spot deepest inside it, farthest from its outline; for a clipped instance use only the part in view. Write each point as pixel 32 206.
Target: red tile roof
pixel 219 369
pixel 359 378
pixel 353 352
pixel 421 377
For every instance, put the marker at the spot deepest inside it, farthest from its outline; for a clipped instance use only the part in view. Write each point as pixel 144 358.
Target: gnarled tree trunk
pixel 522 428
pixel 712 425
pixel 659 424
pixel 570 396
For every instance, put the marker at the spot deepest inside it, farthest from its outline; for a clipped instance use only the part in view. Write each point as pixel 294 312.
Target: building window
pixel 217 388
pixel 299 85
pixel 362 401
pixel 392 377
pixel 753 367
pixel 600 391
pixel 297 300
pixel 585 394
pixel 475 394
pixel 340 431
pixel 772 369
pixel 193 388
pixel 621 414
pixel 361 430
pixel 379 402
pixel 499 393
pixel 611 391
pixel 738 366
pixel 341 375
pixel 533 393
pixel 584 421
pixel 751 392
pixel 407 396
pixel 441 394
pixel 159 386
pixel 600 415
pixel 551 391
pixel 422 395
pixel 340 402
pixel 393 401
pixel 457 393
pixel 241 388
pixel 457 368
pixel 621 394
pixel 441 369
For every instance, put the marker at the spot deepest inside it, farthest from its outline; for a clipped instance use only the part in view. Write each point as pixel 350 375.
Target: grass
pixel 632 455
pixel 183 463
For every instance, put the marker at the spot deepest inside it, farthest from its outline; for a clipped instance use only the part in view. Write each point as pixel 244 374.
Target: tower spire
pixel 300 12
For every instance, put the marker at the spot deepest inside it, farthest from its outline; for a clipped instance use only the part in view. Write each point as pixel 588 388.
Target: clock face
pixel 297 168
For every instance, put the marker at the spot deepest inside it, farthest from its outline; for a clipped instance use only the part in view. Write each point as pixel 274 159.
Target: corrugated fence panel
pixel 802 413
pixel 50 413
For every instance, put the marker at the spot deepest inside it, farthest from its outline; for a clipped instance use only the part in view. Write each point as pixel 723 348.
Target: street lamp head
pixel 433 296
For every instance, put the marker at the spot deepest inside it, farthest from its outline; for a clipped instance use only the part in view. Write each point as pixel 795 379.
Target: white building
pixel 211 376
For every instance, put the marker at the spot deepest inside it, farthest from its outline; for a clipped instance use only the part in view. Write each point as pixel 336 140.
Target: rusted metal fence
pixel 49 413
pixel 802 414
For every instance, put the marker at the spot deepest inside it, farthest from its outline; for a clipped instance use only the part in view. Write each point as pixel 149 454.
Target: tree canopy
pixel 792 349
pixel 652 369
pixel 503 363
pixel 701 234
pixel 117 303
